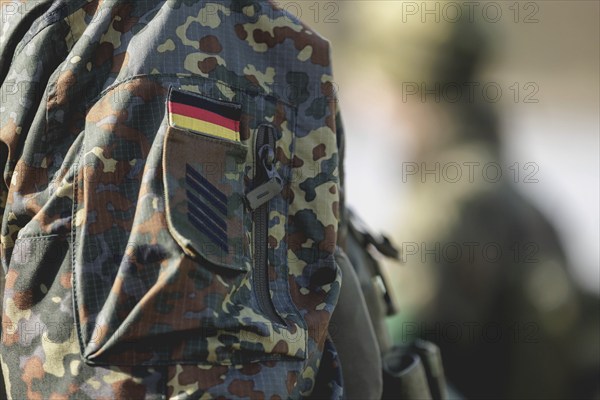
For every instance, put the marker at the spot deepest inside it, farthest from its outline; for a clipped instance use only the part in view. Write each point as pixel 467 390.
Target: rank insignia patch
pixel 207 207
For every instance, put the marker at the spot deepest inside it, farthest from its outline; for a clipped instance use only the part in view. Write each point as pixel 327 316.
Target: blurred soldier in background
pixel 507 315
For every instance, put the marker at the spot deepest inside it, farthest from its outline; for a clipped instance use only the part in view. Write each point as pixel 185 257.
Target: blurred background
pixel 473 143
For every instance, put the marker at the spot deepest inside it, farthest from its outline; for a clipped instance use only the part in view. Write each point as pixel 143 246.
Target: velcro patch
pixel 209 117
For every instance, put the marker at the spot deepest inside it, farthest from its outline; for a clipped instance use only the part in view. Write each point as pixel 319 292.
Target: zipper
pixel 267 185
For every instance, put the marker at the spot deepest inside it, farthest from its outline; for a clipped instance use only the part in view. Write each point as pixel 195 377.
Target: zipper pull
pixel 274 184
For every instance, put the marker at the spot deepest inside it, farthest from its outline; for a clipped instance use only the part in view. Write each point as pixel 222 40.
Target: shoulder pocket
pixel 203 166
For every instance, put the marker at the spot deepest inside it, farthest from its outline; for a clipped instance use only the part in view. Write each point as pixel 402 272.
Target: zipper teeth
pixel 261 220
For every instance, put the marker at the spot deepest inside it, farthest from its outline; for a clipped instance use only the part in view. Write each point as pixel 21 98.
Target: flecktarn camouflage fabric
pixel 131 135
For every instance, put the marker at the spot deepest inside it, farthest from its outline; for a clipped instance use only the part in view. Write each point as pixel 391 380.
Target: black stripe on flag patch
pixel 223 108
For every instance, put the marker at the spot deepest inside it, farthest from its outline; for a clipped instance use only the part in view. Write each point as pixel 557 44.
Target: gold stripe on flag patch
pixel 205 127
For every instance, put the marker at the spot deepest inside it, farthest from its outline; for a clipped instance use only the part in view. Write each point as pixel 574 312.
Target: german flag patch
pixel 200 114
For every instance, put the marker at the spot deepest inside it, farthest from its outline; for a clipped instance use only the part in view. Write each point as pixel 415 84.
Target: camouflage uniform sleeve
pixel 8 41
pixel 17 18
pixel 108 55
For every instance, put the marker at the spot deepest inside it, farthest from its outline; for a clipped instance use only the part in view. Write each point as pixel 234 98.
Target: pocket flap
pixel 203 163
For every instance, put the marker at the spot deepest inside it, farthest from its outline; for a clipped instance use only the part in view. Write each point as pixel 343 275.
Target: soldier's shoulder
pixel 269 23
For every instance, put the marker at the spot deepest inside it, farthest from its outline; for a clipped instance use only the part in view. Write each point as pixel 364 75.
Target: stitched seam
pixel 74 255
pixel 190 76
